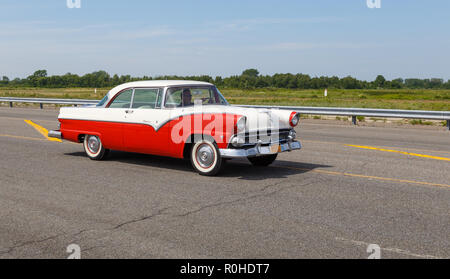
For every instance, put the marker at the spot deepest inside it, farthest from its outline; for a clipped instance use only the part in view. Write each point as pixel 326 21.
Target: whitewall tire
pixel 205 158
pixel 94 148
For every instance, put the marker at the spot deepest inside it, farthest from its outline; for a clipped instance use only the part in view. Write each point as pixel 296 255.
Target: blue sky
pixel 404 38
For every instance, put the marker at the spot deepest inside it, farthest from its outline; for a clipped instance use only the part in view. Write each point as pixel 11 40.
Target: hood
pixel 257 118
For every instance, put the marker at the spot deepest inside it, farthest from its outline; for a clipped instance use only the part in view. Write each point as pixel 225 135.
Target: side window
pixel 123 100
pixel 145 98
pixel 173 98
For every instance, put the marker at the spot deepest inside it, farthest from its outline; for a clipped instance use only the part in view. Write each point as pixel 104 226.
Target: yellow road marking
pixel 390 147
pixel 400 152
pixel 41 130
pixel 395 180
pixel 44 132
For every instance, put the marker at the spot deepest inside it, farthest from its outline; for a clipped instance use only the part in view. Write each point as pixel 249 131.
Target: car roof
pixel 155 83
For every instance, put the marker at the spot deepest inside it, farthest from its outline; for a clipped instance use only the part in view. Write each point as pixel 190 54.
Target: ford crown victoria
pixel 180 119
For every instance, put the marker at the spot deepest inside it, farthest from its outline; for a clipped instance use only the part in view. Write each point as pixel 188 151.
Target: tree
pixel 303 81
pixel 249 78
pixel 218 81
pixel 447 84
pixel 251 73
pixel 4 81
pixel 414 83
pixel 351 83
pixel 397 83
pixel 436 83
pixel 379 81
pixel 40 73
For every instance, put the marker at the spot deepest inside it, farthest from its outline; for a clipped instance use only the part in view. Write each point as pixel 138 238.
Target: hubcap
pixel 205 155
pixel 93 144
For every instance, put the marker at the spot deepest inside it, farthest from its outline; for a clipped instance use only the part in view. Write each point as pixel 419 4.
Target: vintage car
pixel 181 119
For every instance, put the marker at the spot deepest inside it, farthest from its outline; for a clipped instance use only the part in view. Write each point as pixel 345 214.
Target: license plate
pixel 284 147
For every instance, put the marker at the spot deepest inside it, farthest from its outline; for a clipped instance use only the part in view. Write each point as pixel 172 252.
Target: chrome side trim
pixel 55 134
pixel 259 150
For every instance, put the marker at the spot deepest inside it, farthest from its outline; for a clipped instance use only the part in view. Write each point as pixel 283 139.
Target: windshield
pixel 103 101
pixel 189 95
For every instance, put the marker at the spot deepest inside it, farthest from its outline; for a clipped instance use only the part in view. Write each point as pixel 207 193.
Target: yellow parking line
pixel 400 152
pixel 395 180
pixel 390 147
pixel 41 130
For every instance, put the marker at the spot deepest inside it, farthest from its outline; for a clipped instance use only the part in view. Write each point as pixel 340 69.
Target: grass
pixel 420 99
pixel 64 93
pixel 388 99
pixel 420 122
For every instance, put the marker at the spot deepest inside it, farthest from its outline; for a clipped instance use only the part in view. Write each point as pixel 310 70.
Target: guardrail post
pixel 10 104
pixel 354 120
pixel 448 124
pixel 41 105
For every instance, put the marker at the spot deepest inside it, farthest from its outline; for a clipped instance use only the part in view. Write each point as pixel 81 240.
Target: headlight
pixel 241 124
pixel 294 119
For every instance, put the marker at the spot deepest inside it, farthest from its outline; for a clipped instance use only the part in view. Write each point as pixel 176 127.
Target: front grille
pixel 266 137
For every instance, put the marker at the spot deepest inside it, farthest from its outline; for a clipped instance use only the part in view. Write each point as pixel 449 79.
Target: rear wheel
pixel 94 148
pixel 263 161
pixel 205 158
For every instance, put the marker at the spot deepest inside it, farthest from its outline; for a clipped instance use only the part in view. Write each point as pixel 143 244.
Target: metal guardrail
pixel 42 101
pixel 353 112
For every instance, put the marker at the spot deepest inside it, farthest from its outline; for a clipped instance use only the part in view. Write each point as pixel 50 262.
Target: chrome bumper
pixel 55 134
pixel 260 150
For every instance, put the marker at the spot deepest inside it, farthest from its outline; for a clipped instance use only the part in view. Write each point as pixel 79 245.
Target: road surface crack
pixel 158 213
pixel 12 248
pixel 260 193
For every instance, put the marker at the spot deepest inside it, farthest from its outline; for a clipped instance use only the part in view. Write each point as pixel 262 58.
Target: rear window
pixel 145 98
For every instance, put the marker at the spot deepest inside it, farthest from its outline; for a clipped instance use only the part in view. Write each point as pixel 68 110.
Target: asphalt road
pixel 329 200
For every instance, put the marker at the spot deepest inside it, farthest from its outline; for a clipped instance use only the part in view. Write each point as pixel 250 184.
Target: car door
pixel 142 131
pixel 111 120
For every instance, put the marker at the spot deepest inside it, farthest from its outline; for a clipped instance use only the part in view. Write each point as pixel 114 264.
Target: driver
pixel 186 98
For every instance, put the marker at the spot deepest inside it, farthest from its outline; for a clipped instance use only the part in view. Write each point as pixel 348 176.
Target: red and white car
pixel 181 119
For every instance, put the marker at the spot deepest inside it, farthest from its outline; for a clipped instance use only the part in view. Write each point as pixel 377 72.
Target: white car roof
pixel 155 83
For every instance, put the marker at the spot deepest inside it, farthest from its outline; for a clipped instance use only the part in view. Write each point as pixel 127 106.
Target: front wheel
pixel 205 158
pixel 263 161
pixel 94 148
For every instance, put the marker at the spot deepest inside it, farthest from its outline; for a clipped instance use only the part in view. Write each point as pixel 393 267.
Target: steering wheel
pixel 207 99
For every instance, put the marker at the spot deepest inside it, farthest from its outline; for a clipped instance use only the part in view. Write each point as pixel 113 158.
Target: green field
pixel 420 99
